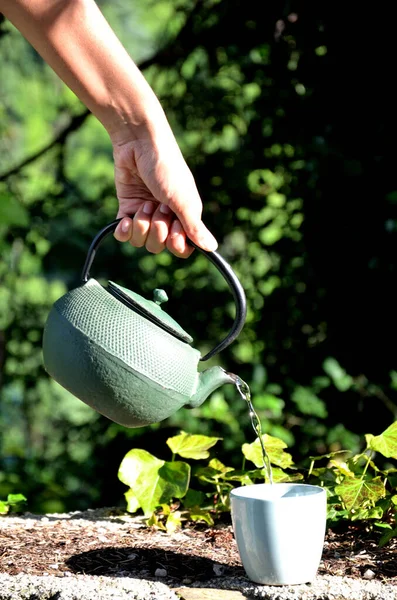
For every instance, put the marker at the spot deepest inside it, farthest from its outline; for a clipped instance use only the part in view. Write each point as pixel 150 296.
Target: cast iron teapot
pixel 123 355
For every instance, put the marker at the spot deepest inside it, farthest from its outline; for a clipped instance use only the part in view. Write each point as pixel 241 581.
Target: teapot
pixel 123 355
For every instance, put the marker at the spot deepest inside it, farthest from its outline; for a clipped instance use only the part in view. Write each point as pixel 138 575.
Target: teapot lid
pixel 150 309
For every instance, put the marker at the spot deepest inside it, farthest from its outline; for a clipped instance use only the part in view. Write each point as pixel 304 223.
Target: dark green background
pixel 285 114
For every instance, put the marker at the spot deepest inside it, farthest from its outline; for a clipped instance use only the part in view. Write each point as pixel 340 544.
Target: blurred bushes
pixel 290 135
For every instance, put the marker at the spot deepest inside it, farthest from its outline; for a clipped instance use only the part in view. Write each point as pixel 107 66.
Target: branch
pixel 178 47
pixel 74 123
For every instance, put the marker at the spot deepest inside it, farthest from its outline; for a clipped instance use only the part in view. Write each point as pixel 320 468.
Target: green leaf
pixel 208 475
pixel 371 512
pixel 193 498
pixel 197 514
pixel 274 448
pixel 280 477
pixel 4 507
pixel 329 455
pixel 132 502
pixel 339 377
pixel 13 499
pixel 308 403
pixel 153 481
pixel 173 522
pixel 335 515
pixel 385 443
pixel 12 212
pixel 155 521
pixel 342 468
pixel 219 466
pixel 356 493
pixel 386 537
pixel 215 472
pixel 192 446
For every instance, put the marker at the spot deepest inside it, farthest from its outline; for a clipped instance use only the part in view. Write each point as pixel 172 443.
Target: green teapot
pixel 123 355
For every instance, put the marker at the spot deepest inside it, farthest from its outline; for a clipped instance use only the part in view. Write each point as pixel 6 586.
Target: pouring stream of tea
pixel 245 393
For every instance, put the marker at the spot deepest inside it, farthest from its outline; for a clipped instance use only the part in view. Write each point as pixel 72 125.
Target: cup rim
pixel 246 491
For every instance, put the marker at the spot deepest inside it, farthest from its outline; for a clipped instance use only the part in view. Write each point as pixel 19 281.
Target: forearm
pixel 74 38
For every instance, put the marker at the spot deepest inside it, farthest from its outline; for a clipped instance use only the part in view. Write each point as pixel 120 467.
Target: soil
pixel 112 543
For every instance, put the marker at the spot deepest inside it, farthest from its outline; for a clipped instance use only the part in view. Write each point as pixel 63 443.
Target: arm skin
pixel 156 190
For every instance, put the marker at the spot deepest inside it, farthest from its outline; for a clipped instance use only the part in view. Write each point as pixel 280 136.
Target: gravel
pixel 323 588
pixel 87 587
pixel 81 587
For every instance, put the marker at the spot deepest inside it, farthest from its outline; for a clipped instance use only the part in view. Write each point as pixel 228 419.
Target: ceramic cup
pixel 279 530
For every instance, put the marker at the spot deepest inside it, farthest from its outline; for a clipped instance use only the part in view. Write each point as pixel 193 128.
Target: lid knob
pixel 159 296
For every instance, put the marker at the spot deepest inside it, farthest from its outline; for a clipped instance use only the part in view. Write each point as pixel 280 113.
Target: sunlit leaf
pixel 385 443
pixel 192 446
pixel 370 512
pixel 4 508
pixel 132 502
pixel 274 448
pixel 358 492
pixel 173 522
pixel 153 481
pixel 13 499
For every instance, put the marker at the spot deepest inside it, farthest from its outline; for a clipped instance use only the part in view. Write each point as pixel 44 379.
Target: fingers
pixel 176 241
pixel 159 229
pixel 154 226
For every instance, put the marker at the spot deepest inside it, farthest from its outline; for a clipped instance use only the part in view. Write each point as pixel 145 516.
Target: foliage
pixel 13 500
pixel 284 157
pixel 357 489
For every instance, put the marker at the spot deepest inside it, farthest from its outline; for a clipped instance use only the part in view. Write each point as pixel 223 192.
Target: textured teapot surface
pixel 123 356
pixel 115 360
pixel 131 338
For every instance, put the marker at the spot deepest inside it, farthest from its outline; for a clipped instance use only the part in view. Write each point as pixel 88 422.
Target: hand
pixel 158 199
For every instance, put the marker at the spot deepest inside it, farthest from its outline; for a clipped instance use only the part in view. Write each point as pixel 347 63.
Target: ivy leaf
pixel 219 466
pixel 329 455
pixel 357 492
pixel 155 521
pixel 132 502
pixel 386 537
pixel 153 481
pixel 274 448
pixel 334 515
pixel 13 499
pixel 197 514
pixel 192 446
pixel 372 512
pixel 343 468
pixel 4 507
pixel 214 471
pixel 385 443
pixel 193 498
pixel 208 475
pixel 280 477
pixel 173 522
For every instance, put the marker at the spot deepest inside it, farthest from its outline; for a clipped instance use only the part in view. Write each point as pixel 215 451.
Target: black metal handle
pixel 214 257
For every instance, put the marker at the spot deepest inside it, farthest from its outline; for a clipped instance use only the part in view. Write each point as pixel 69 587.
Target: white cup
pixel 279 530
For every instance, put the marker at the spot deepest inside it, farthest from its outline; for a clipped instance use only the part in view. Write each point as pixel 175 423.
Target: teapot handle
pixel 214 257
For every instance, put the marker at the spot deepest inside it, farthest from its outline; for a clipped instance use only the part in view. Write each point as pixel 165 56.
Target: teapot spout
pixel 210 380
